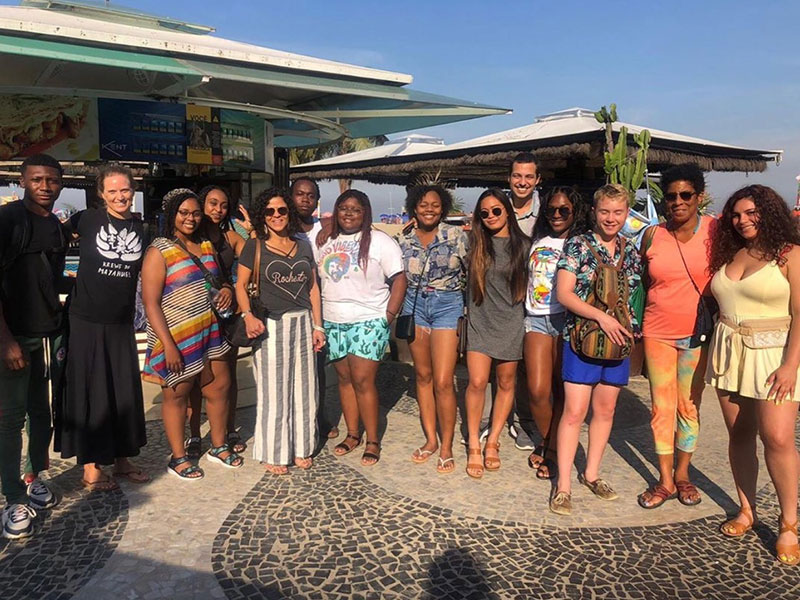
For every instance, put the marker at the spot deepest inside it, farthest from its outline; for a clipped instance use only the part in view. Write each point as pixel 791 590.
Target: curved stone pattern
pixel 73 541
pixel 330 533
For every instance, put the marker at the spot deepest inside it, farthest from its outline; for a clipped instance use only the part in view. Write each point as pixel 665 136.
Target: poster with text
pixel 140 130
pixel 203 135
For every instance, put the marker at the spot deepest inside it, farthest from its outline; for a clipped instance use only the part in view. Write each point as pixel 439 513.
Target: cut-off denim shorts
pixel 552 325
pixel 435 309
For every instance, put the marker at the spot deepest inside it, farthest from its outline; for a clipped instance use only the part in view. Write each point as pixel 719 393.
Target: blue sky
pixel 726 71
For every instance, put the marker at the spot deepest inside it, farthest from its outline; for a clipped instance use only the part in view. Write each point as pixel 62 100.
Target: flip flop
pixel 420 456
pixel 304 463
pixel 103 485
pixel 442 468
pixel 135 475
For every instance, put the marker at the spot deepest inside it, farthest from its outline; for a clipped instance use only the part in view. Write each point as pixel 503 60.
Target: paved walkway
pixel 397 530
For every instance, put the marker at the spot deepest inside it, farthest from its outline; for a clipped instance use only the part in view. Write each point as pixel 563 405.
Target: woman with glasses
pixel 185 346
pixel 434 254
pixel 363 285
pixel 561 215
pixel 102 421
pixel 284 364
pixel 498 277
pixel 675 255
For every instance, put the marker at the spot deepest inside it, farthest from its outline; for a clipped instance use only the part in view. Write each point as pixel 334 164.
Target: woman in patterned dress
pixel 184 341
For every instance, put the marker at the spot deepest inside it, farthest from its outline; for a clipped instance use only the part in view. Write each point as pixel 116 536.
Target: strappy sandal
pixel 475 466
pixel 734 529
pixel 446 465
pixel 658 493
pixel 548 469
pixel 190 473
pixel 688 495
pixel 788 554
pixel 371 457
pixel 343 448
pixel 235 442
pixel 193 447
pixel 536 458
pixel 492 463
pixel 232 461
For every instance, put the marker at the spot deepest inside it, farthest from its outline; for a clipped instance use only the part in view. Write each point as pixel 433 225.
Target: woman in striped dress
pixel 184 342
pixel 284 362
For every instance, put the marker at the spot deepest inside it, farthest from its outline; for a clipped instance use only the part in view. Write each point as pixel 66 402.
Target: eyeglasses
pixel 685 196
pixel 281 210
pixel 190 213
pixel 496 211
pixel 563 211
pixel 350 210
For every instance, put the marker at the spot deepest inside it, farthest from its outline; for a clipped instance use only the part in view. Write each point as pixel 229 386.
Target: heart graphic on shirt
pixel 287 277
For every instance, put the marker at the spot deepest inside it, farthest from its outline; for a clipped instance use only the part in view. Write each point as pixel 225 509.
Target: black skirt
pixel 102 416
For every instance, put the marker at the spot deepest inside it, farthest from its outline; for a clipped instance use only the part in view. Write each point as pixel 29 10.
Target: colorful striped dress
pixel 187 308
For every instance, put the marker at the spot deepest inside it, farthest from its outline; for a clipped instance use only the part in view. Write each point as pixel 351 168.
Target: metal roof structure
pixel 70 47
pixel 569 144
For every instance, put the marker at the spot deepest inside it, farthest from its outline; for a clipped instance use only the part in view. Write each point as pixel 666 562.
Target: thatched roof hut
pixel 569 143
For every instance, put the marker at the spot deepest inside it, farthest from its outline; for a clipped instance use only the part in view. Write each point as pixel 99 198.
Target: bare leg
pixel 740 420
pixel 195 410
pixel 576 404
pixel 444 353
pixel 347 398
pixel 478 366
pixel 233 389
pixel 539 364
pixel 506 374
pixel 604 401
pixel 423 373
pixel 362 374
pixel 215 380
pixel 173 414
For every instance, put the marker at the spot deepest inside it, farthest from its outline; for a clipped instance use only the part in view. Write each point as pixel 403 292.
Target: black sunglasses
pixel 496 211
pixel 672 196
pixel 281 210
pixel 563 211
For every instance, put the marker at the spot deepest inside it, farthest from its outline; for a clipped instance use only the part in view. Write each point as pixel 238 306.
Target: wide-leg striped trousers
pixel 286 384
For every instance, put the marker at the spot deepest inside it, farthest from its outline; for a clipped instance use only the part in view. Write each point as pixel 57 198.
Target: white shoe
pixel 17 521
pixel 40 496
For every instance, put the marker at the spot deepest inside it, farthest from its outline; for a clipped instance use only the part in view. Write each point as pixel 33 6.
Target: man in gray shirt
pixel 523 177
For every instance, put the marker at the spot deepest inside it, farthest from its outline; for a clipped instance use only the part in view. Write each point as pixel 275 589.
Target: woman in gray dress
pixel 496 313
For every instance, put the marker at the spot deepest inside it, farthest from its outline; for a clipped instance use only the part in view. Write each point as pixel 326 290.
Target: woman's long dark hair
pixel 580 211
pixel 171 203
pixel 481 251
pixel 258 212
pixel 776 228
pixel 366 224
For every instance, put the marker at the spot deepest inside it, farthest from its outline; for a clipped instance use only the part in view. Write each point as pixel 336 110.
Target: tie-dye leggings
pixel 676 385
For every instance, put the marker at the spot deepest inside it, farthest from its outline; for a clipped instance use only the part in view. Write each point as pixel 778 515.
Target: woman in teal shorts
pixel 363 285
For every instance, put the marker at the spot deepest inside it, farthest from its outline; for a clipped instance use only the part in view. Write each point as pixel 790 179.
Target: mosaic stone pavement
pixel 399 530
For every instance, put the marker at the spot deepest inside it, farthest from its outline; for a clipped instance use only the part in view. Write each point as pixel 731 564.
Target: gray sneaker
pixel 40 496
pixel 523 440
pixel 17 520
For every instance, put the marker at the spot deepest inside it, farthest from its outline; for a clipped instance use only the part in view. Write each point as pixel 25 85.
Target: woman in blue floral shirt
pixel 587 380
pixel 434 254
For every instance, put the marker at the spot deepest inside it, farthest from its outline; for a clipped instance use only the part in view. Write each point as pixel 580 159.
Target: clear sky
pixel 728 71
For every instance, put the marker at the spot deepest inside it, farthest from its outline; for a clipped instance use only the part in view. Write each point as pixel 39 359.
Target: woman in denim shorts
pixel 561 215
pixel 363 285
pixel 434 255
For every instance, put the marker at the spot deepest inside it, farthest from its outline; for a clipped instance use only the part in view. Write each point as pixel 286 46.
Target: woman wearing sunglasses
pixel 675 254
pixel 498 277
pixel 363 285
pixel 284 364
pixel 562 214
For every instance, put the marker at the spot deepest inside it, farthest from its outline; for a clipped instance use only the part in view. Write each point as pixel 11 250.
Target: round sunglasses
pixel 281 210
pixel 496 211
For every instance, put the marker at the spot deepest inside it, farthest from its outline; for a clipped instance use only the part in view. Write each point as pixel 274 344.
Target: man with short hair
pixel 33 246
pixel 523 177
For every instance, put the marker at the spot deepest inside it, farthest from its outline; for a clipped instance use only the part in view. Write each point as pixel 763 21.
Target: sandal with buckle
pixel 343 448
pixel 371 458
pixel 235 442
pixel 190 473
pixel 475 466
pixel 492 463
pixel 193 447
pixel 688 495
pixel 232 461
pixel 734 529
pixel 658 495
pixel 788 554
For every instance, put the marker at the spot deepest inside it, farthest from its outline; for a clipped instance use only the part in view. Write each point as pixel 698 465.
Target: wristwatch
pixel 245 313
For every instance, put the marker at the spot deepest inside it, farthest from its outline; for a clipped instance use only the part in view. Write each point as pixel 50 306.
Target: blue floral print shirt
pixel 446 268
pixel 577 258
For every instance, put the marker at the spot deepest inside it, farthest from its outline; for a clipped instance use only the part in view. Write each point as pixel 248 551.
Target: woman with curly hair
pixel 755 352
pixel 498 276
pixel 284 364
pixel 185 346
pixel 562 215
pixel 217 209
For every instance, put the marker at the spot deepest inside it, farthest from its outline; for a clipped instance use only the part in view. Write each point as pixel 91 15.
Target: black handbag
pixel 704 322
pixel 235 329
pixel 406 328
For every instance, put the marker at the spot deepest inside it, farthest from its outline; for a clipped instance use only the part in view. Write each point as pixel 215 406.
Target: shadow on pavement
pixel 457 574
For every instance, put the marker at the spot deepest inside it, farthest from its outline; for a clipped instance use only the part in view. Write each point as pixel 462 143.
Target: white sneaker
pixel 17 521
pixel 483 436
pixel 40 496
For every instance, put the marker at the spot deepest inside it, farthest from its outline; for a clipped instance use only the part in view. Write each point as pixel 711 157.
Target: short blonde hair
pixel 612 191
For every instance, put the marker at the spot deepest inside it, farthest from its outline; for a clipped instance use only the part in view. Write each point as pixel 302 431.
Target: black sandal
pixel 235 442
pixel 371 455
pixel 343 448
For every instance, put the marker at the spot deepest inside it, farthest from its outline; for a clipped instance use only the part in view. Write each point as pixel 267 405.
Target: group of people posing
pixel 547 287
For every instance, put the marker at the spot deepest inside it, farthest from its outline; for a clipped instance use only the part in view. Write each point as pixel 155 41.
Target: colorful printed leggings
pixel 676 386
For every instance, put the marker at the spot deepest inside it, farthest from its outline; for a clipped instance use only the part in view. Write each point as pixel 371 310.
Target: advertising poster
pixel 138 130
pixel 203 135
pixel 243 140
pixel 64 127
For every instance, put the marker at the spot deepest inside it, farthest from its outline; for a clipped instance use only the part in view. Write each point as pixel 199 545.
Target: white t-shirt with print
pixel 349 294
pixel 541 296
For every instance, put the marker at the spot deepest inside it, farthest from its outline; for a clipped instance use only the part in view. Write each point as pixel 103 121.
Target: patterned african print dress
pixel 187 309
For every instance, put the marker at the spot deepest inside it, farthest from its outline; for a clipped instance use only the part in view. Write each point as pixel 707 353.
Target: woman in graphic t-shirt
pixel 283 363
pixel 103 415
pixel 561 215
pixel 363 285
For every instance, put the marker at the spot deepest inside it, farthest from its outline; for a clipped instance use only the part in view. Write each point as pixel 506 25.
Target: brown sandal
pixel 788 554
pixel 476 466
pixel 343 448
pixel 492 463
pixel 658 495
pixel 733 528
pixel 688 494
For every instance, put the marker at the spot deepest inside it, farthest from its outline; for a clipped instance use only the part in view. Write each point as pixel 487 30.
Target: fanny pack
pixel 761 333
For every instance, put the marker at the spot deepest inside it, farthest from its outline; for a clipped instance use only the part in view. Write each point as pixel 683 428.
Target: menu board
pixel 138 130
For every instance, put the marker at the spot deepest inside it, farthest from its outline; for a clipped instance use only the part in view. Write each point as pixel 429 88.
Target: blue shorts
pixel 435 309
pixel 551 325
pixel 589 371
pixel 366 339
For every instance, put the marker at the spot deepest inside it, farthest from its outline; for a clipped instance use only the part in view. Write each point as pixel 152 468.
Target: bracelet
pixel 319 328
pixel 245 313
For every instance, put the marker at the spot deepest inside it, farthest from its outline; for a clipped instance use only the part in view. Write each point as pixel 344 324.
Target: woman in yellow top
pixel 755 351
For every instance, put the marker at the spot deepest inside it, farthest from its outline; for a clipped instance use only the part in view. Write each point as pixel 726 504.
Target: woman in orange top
pixel 676 256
